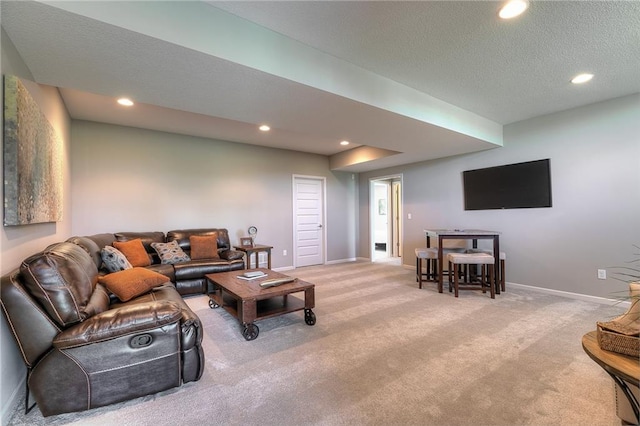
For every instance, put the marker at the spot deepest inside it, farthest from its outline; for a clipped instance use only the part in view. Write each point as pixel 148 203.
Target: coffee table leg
pixel 250 331
pixel 309 302
pixel 215 297
pixel 309 317
pixel 247 313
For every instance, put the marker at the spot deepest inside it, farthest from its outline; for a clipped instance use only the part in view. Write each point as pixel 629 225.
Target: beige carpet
pixel 385 353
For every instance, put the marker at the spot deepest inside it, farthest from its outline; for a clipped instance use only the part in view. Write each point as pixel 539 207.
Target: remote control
pixel 276 282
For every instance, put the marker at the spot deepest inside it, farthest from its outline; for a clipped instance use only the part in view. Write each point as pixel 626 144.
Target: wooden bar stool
pixel 503 260
pixel 482 259
pixel 431 257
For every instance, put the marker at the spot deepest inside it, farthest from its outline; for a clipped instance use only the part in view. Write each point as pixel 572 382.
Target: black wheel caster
pixel 213 304
pixel 309 317
pixel 250 331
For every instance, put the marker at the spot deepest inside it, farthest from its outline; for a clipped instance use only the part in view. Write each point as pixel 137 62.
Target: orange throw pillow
pixel 132 282
pixel 204 246
pixel 134 251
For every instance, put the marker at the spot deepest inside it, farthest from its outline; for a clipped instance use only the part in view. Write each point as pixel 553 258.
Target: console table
pixel 256 248
pixel 622 369
pixel 470 234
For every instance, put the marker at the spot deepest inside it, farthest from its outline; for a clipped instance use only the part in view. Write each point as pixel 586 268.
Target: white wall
pixel 17 242
pixel 128 179
pixel 593 224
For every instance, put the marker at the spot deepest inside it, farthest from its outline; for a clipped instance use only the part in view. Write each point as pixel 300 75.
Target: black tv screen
pixel 512 186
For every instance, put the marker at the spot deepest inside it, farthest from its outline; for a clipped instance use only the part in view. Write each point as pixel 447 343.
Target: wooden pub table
pixel 468 234
pixel 248 302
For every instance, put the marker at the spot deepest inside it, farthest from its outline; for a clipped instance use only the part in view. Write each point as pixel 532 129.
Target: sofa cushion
pixel 62 278
pixel 182 236
pixel 132 282
pixel 204 246
pixel 170 252
pixel 166 270
pixel 114 260
pixel 199 268
pixel 134 252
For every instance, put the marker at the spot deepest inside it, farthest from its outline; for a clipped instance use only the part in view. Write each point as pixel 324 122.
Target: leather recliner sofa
pixel 84 348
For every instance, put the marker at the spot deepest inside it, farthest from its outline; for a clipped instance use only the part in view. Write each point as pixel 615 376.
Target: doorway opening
pixel 385 194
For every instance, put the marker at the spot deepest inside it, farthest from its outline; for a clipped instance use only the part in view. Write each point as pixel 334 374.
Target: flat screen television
pixel 512 186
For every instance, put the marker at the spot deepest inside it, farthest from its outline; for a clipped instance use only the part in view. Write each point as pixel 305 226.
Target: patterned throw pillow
pixel 170 252
pixel 114 260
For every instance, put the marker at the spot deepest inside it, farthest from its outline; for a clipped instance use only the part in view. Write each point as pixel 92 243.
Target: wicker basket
pixel 615 338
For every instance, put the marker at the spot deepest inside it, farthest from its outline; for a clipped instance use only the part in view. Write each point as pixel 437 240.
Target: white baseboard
pixel 333 262
pixel 571 295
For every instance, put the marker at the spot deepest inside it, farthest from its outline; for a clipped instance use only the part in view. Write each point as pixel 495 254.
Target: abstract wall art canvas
pixel 32 160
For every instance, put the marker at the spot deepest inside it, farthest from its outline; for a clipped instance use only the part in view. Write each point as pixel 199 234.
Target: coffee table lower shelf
pixel 247 302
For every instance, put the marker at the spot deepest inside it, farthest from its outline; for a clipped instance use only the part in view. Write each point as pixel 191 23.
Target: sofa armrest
pixel 231 255
pixel 127 319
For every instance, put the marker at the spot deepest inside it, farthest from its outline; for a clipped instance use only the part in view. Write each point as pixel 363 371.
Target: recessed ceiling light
pixel 513 8
pixel 264 128
pixel 125 102
pixel 581 78
pixel 344 143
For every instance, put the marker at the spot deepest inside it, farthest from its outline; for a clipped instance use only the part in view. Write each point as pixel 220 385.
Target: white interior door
pixel 308 205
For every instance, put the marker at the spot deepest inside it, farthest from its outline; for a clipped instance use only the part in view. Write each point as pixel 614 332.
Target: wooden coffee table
pixel 248 302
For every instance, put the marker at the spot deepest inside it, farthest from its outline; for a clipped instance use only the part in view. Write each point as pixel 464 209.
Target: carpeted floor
pixel 385 353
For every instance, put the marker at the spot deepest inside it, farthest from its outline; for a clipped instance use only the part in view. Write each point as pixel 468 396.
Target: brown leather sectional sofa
pixel 85 348
pixel 188 277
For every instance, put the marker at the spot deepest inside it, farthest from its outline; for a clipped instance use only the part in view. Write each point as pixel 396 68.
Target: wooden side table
pixel 256 248
pixel 623 369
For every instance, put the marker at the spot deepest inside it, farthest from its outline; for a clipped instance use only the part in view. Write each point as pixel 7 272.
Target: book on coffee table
pixel 252 275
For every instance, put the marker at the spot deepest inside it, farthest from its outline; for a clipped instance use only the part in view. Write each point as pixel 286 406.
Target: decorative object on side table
pixel 246 242
pixel 622 334
pixel 253 231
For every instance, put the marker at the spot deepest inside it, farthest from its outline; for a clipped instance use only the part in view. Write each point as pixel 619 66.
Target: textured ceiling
pixel 419 80
pixel 461 53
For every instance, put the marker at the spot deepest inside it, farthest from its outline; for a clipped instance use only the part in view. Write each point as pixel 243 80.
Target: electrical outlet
pixel 602 274
pixel 409 216
pixel 284 252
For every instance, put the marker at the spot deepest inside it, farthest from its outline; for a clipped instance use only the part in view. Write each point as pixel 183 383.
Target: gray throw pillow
pixel 114 260
pixel 170 252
